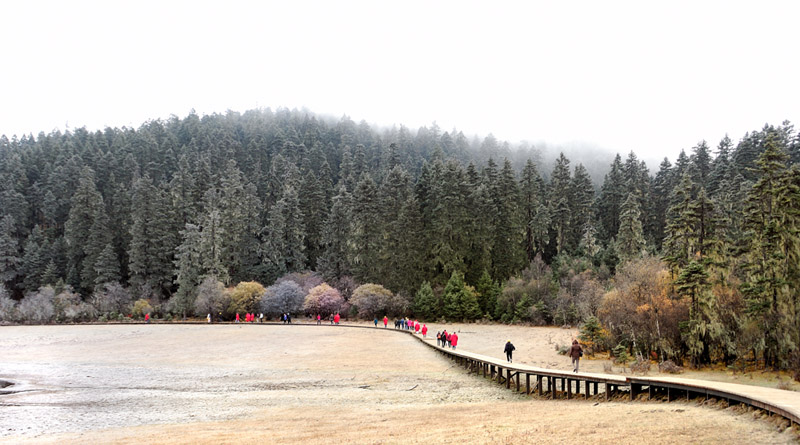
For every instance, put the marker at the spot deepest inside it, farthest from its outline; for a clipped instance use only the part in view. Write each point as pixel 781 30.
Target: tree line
pixel 697 262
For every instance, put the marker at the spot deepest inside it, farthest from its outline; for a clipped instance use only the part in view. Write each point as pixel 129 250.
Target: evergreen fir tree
pixel 9 252
pixel 34 259
pixel 631 241
pixel 507 253
pixel 366 235
pixel 334 261
pixel 106 269
pixel 425 302
pixel 487 290
pixel 581 199
pixel 610 200
pixel 532 197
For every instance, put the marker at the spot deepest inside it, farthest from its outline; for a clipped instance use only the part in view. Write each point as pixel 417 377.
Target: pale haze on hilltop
pixel 653 78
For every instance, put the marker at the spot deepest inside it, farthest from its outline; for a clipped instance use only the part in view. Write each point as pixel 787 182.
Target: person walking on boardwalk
pixel 336 318
pixel 438 338
pixel 331 317
pixel 375 321
pixel 575 353
pixel 454 340
pixel 509 350
pixel 385 322
pixel 319 320
pixel 237 317
pixel 424 330
pixel 416 326
pixel 147 317
pixel 448 336
pixel 208 317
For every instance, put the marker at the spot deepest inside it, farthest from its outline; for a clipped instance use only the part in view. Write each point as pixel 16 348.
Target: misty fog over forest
pixel 100 224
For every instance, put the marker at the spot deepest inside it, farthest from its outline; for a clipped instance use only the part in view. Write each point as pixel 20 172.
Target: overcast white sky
pixel 653 77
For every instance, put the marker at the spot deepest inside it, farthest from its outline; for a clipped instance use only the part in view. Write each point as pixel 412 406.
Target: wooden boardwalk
pixel 566 384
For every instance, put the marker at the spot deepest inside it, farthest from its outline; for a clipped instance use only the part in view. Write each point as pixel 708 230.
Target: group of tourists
pixel 248 317
pixel 446 339
pixel 407 324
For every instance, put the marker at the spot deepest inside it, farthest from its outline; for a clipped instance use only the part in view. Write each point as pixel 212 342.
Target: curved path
pixel 565 384
pixel 547 381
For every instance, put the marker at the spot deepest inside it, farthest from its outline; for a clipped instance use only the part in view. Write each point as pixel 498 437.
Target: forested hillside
pixel 698 260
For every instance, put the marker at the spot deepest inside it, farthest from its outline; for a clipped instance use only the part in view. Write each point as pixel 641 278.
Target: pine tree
pixel 34 259
pixel 700 164
pixel 721 168
pixel 153 240
pixel 680 242
pixel 459 302
pixel 189 268
pixel 334 262
pixel 631 241
pixel 610 200
pixel 770 223
pixel 312 205
pixel 532 203
pixel 559 201
pixel 507 253
pixel 9 252
pixel 86 205
pixel 581 199
pixel 450 226
pixel 366 235
pixel 693 283
pixel 106 268
pixel 487 290
pixel 100 237
pixel 425 302
pixel 663 184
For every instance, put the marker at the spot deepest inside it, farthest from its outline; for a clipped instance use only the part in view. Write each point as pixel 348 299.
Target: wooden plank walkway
pixel 546 381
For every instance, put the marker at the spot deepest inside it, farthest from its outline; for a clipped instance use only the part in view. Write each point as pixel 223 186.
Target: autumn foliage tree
pixel 374 300
pixel 323 300
pixel 640 310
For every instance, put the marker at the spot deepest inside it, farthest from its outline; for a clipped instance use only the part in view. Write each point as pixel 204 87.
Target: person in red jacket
pixel 147 317
pixel 416 326
pixel 448 337
pixel 385 321
pixel 424 330
pixel 237 317
pixel 454 340
pixel 336 318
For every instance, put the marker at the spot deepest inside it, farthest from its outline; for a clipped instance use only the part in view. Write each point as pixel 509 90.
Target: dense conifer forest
pixel 283 210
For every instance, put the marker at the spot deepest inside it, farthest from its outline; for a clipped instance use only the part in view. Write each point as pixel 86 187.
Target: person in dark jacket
pixel 509 350
pixel 575 353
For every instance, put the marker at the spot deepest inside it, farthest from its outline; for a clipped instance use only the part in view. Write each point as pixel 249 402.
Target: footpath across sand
pixel 289 384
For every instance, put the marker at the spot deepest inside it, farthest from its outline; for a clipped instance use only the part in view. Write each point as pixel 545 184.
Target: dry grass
pixel 231 384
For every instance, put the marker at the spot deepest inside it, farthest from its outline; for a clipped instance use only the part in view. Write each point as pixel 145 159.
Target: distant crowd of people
pixel 444 339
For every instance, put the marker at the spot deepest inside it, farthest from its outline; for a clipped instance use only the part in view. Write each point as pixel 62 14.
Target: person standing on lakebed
pixel 509 350
pixel 575 352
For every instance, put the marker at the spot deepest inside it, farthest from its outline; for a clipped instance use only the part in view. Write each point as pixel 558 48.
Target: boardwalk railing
pixel 559 383
pixel 545 381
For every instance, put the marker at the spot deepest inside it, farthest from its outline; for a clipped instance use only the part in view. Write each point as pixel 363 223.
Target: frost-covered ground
pixel 287 384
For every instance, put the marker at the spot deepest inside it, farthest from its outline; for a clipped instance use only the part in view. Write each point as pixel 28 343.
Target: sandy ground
pixel 290 384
